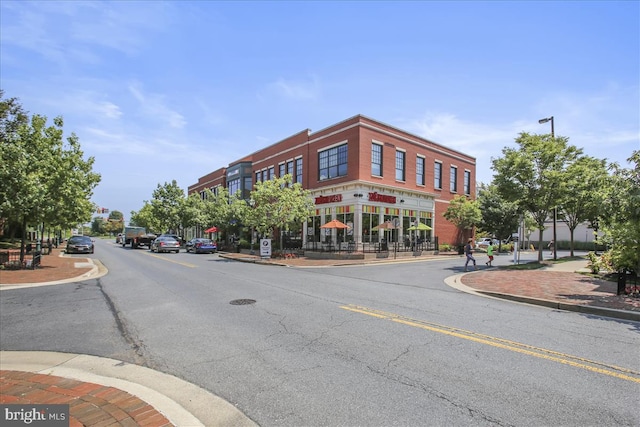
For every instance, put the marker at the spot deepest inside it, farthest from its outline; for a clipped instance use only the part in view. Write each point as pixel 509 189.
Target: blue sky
pixel 158 91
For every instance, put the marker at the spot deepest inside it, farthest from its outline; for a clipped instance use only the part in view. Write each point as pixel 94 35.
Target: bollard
pixel 622 282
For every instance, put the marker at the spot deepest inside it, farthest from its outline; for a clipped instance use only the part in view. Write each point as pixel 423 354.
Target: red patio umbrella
pixel 211 230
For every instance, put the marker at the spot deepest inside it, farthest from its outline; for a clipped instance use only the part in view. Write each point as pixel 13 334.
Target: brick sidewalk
pixel 53 268
pixel 565 287
pixel 89 404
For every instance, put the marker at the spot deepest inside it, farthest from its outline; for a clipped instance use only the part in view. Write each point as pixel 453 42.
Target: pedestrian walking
pixel 468 251
pixel 551 246
pixel 490 254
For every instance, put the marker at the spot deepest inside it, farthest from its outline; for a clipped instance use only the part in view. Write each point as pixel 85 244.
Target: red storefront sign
pixel 375 197
pixel 336 198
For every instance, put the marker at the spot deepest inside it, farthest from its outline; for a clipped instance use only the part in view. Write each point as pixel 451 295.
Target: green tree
pixel 72 181
pixel 12 116
pixel 217 210
pixel 464 214
pixel 167 206
pixel 533 176
pixel 114 223
pixel 145 218
pixel 620 215
pixel 192 214
pixel 585 183
pixel 276 204
pixel 44 181
pixel 499 216
pixel 116 216
pixel 98 226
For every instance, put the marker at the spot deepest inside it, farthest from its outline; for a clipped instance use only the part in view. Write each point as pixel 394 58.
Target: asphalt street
pixel 374 345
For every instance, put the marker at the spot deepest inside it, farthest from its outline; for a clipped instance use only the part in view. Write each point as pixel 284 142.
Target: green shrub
pixel 594 262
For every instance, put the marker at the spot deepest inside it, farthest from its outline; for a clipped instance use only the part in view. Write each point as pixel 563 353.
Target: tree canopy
pixel 533 176
pixel 44 180
pixel 464 214
pixel 499 216
pixel 620 215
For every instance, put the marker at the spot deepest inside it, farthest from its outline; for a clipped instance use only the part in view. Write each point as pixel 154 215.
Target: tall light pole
pixel 252 204
pixel 555 209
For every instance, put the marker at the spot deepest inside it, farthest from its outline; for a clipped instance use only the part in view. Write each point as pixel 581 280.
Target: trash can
pixel 622 282
pixel 460 249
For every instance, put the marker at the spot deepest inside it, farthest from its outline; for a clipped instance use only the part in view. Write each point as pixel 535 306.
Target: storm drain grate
pixel 242 301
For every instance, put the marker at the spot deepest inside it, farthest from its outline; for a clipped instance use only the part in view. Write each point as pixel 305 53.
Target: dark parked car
pixel 165 244
pixel 201 246
pixel 79 245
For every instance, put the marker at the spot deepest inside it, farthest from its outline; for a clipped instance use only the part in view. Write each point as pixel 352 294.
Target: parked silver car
pixel 165 244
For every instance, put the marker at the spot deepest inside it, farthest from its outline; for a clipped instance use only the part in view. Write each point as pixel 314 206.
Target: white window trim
pixel 329 147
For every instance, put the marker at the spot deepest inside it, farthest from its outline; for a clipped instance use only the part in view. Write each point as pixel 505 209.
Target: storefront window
pixel 370 219
pixel 346 235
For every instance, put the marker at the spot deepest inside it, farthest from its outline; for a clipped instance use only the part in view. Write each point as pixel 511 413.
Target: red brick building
pixel 363 173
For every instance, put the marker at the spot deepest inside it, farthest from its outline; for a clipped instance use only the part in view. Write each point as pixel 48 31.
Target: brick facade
pixel 360 197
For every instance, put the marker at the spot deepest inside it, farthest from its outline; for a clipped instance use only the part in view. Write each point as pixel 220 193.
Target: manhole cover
pixel 242 301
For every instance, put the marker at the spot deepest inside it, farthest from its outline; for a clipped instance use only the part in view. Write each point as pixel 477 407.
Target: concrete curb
pixel 97 270
pixel 183 403
pixel 454 282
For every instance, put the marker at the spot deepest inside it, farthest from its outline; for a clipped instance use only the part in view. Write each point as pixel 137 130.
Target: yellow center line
pixel 566 359
pixel 184 264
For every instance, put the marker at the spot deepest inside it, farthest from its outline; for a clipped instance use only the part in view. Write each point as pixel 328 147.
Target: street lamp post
pixel 555 209
pixel 252 203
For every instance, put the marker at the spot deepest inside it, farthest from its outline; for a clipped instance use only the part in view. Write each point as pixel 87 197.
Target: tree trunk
pixel 571 230
pixel 540 245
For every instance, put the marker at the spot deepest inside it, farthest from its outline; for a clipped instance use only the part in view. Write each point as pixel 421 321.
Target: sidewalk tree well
pixel 533 176
pixel 464 214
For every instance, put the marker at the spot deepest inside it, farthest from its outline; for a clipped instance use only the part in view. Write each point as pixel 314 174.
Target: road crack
pixel 137 346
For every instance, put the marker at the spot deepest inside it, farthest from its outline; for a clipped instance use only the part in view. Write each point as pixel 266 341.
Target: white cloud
pixel 154 107
pixel 69 32
pixel 296 90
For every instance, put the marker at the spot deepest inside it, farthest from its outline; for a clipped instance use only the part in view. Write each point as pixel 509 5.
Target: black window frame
pixel 437 175
pixel 467 182
pixel 333 162
pixel 401 165
pixel 299 170
pixel 376 159
pixel 420 165
pixel 453 179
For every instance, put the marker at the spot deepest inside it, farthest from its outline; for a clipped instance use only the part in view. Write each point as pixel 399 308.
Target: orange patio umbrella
pixel 335 224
